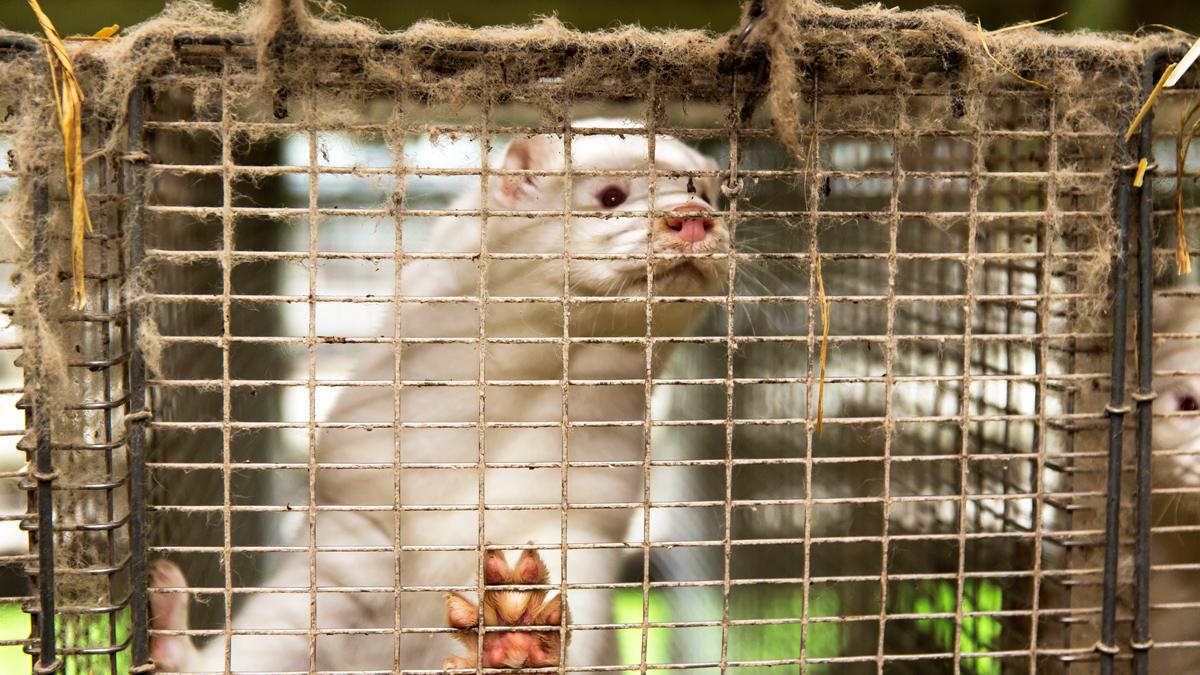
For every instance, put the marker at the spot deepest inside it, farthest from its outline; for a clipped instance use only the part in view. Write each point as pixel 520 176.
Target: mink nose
pixel 692 224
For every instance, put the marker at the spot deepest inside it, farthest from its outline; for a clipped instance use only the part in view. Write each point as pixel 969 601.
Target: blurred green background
pixel 78 16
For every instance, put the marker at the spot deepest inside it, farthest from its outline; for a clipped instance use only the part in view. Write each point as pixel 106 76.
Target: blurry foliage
pixel 745 642
pixel 77 16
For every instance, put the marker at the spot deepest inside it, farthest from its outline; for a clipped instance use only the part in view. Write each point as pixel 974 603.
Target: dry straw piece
pixel 68 103
pixel 1149 104
pixel 824 302
pixel 1184 64
pixel 1140 176
pixel 983 35
pixel 1189 128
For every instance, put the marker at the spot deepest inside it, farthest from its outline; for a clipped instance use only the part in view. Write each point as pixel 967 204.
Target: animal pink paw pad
pixel 509 607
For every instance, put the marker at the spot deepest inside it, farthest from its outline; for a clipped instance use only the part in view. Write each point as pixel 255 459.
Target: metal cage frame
pixel 116 323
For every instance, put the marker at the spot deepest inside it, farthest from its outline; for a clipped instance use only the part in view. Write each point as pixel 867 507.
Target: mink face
pixel 1177 406
pixel 605 224
pixel 1175 465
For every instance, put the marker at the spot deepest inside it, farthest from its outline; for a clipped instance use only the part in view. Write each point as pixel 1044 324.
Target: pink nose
pixel 692 227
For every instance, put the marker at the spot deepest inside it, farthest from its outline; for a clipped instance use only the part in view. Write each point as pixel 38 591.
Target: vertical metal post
pixel 138 411
pixel 1116 410
pixel 43 450
pixel 1144 396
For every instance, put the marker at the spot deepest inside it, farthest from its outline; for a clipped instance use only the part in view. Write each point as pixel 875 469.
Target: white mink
pixel 690 229
pixel 1178 389
pixel 1177 393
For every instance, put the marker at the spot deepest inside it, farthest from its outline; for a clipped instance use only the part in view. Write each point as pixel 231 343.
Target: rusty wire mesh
pixel 948 517
pixel 13 551
pixel 76 457
pixel 935 515
pixel 1172 517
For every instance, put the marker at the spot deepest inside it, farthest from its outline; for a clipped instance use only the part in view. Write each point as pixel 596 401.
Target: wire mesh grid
pixel 77 474
pixel 1167 525
pixel 943 512
pixel 13 550
pixel 931 525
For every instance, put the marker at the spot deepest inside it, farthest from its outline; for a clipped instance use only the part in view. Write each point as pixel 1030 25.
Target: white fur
pixel 1176 464
pixel 459 488
pixel 1179 433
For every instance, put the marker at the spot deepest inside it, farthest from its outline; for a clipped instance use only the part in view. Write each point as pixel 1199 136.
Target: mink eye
pixel 1187 403
pixel 612 197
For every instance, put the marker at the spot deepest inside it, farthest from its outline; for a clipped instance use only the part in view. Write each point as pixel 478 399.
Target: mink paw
pixel 509 649
pixel 169 612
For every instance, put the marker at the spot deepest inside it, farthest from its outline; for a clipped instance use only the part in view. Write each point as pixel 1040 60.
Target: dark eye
pixel 1187 403
pixel 612 197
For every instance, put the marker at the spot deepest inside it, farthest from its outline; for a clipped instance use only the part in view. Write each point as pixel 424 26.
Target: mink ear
pixel 527 153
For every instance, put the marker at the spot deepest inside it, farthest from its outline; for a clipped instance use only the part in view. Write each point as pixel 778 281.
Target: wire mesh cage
pixel 76 445
pixel 14 548
pixel 1167 523
pixel 369 314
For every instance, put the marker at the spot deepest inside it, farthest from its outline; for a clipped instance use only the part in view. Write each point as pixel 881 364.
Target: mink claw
pixel 456 663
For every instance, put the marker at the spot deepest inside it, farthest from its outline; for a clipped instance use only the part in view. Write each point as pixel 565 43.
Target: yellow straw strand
pixel 988 50
pixel 1163 27
pixel 1184 64
pixel 1028 24
pixel 106 33
pixel 1141 116
pixel 68 105
pixel 1183 255
pixel 824 345
pixel 1140 176
pixel 1189 126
